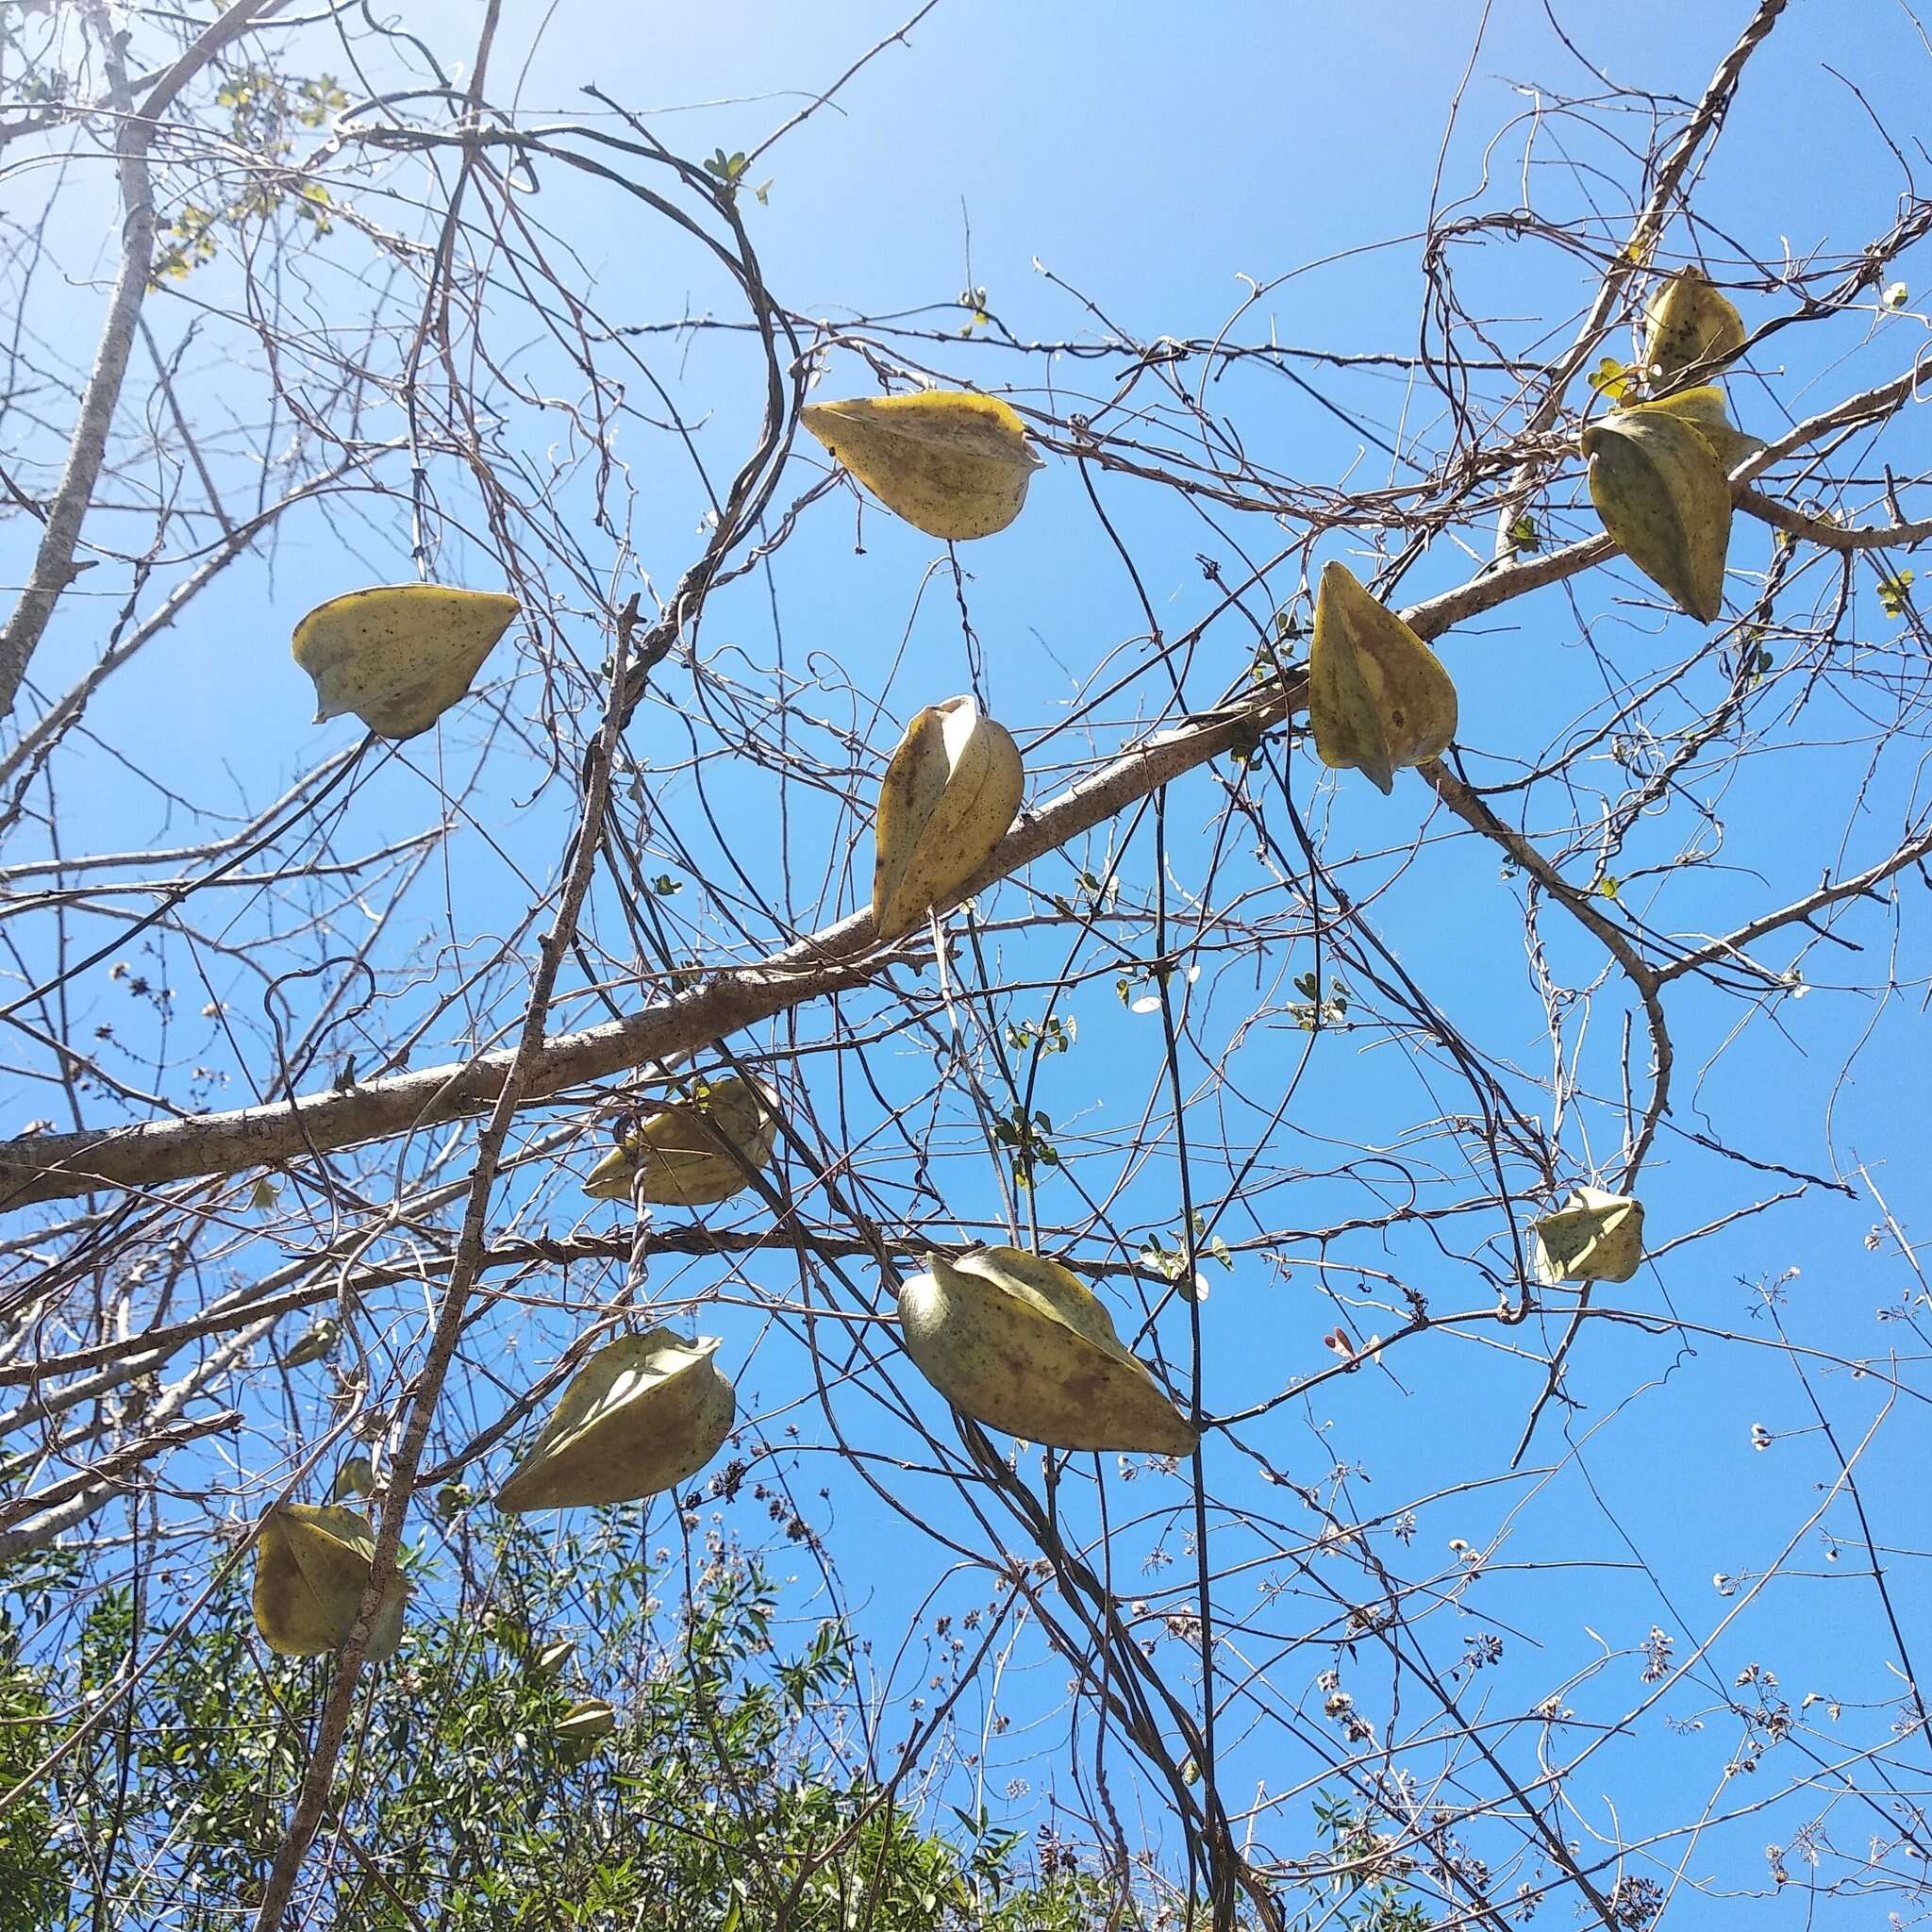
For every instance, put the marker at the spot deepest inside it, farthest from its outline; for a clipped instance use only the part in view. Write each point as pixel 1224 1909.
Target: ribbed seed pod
pixel 399 655
pixel 639 1417
pixel 1018 1342
pixel 1704 409
pixel 952 465
pixel 1378 696
pixel 1663 491
pixel 947 799
pixel 694 1151
pixel 1689 325
pixel 311 1567
pixel 1592 1237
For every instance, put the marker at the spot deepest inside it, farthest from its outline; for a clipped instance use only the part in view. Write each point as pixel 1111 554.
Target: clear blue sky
pixel 1151 158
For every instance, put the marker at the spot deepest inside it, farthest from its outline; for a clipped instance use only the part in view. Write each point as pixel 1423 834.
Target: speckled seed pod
pixel 1378 696
pixel 952 465
pixel 947 799
pixel 1015 1341
pixel 1592 1237
pixel 1662 489
pixel 400 654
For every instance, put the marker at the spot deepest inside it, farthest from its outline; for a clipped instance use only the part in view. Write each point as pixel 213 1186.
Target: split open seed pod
pixel 1663 492
pixel 948 798
pixel 694 1151
pixel 1378 696
pixel 1688 324
pixel 1018 1342
pixel 312 1566
pixel 1592 1237
pixel 553 1658
pixel 400 654
pixel 639 1417
pixel 583 1727
pixel 952 465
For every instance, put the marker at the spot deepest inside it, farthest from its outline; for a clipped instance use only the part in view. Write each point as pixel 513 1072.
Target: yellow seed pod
pixel 1378 696
pixel 1592 1237
pixel 1688 324
pixel 1018 1342
pixel 356 1477
pixel 1664 494
pixel 315 1343
pixel 1704 409
pixel 312 1566
pixel 947 799
pixel 951 464
pixel 399 655
pixel 693 1152
pixel 639 1417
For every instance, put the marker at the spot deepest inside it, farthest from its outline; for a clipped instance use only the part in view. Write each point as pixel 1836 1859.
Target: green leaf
pixel 1610 378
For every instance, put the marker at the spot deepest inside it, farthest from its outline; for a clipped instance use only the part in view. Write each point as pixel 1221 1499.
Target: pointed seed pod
pixel 583 1728
pixel 1378 696
pixel 317 1341
pixel 312 1566
pixel 1663 491
pixel 952 465
pixel 1704 409
pixel 400 654
pixel 693 1152
pixel 1592 1237
pixel 1018 1342
pixel 947 799
pixel 553 1658
pixel 356 1477
pixel 1689 325
pixel 639 1417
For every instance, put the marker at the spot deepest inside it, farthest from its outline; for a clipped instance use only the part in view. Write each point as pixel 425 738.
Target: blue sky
pixel 1151 159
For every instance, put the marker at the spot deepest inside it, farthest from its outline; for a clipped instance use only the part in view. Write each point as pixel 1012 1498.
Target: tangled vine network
pixel 313 1037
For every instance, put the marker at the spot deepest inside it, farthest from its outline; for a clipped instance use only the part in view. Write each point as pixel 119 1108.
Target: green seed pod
pixel 691 1153
pixel 639 1417
pixel 581 1730
pixel 356 1477
pixel 1018 1342
pixel 553 1658
pixel 1378 696
pixel 1662 492
pixel 316 1342
pixel 311 1567
pixel 1704 409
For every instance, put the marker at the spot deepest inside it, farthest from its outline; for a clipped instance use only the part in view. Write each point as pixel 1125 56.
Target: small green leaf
pixel 1610 378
